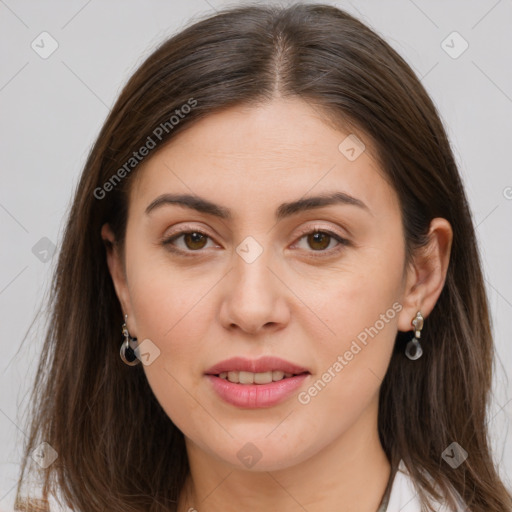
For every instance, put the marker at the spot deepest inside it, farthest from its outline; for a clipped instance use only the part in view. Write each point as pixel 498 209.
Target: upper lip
pixel 261 365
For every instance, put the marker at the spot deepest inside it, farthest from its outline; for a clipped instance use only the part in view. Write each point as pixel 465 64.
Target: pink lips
pixel 252 396
pixel 263 364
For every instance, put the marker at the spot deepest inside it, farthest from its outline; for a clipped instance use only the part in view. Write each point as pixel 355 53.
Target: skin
pixel 199 310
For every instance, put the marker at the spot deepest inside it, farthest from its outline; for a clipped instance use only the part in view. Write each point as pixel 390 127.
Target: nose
pixel 255 299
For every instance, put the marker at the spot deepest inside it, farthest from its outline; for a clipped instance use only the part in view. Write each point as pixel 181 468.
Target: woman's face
pixel 252 280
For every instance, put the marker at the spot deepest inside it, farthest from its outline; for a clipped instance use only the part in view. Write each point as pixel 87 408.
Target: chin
pixel 260 452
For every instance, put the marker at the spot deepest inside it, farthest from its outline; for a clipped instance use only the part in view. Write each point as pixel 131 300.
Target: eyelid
pixel 183 229
pixel 323 229
pixel 306 230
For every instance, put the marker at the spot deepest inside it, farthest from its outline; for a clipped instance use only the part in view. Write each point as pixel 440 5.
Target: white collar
pixel 403 496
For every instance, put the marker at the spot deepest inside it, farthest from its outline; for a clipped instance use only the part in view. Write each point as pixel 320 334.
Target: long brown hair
pixel 117 449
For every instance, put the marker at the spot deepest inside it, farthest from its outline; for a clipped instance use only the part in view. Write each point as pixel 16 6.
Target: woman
pixel 273 219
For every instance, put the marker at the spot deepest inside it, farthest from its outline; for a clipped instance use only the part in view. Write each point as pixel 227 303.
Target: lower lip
pixel 256 396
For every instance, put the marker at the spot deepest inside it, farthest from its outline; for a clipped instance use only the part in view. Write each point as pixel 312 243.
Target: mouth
pixel 265 370
pixel 256 383
pixel 244 377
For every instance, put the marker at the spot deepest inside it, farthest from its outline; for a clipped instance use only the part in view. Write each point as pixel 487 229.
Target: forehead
pixel 254 155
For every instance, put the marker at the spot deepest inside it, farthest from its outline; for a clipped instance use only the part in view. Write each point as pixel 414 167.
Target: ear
pixel 426 276
pixel 116 268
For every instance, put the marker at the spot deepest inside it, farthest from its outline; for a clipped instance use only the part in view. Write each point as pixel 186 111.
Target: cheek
pixel 351 363
pixel 170 308
pixel 361 310
pixel 176 318
pixel 171 321
pixel 164 296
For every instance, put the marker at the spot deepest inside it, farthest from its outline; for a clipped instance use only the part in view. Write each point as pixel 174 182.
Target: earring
pixel 413 349
pixel 127 353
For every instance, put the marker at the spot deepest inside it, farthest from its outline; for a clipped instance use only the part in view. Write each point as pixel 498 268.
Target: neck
pixel 348 475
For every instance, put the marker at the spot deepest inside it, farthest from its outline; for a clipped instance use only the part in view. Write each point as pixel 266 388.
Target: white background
pixel 52 110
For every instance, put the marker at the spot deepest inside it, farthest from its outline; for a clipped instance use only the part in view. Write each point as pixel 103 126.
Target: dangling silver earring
pixel 127 353
pixel 413 349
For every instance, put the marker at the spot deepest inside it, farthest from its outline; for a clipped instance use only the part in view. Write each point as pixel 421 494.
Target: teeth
pixel 255 378
pixel 278 375
pixel 233 376
pixel 246 377
pixel 261 378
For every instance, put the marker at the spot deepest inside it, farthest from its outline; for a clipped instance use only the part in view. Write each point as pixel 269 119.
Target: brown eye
pixel 319 240
pixel 190 241
pixel 194 240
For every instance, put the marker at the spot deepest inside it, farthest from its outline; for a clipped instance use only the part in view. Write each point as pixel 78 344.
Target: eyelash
pixel 342 242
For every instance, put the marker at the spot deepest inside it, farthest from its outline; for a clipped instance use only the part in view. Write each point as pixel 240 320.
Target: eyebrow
pixel 285 210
